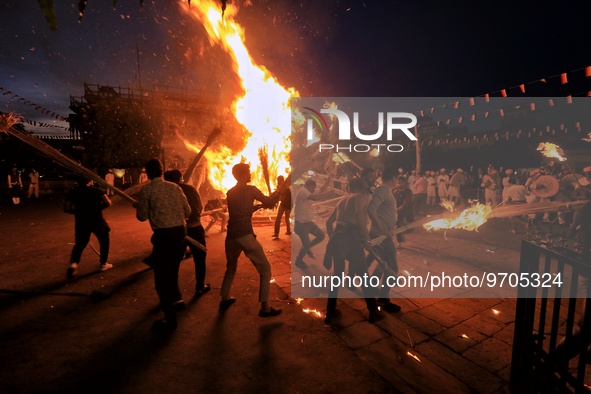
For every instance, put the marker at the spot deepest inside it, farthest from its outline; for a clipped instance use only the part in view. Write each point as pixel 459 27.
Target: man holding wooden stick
pixel 166 207
pixel 87 203
pixel 241 238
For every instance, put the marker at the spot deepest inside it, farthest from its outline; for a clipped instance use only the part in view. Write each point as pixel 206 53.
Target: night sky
pixel 321 48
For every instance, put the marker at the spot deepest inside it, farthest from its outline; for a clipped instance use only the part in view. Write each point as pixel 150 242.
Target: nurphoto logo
pixel 394 121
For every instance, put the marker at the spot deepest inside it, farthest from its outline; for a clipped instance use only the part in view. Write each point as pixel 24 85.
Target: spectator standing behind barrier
pixel 87 203
pixel 164 204
pixel 33 183
pixel 194 230
pixel 284 208
pixel 240 238
pixel 15 184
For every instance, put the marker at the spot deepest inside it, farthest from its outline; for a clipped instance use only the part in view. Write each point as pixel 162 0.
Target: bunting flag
pixel 563 78
pixel 15 97
pixel 522 88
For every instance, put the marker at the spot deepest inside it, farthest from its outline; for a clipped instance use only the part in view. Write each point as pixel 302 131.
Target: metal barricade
pixel 552 323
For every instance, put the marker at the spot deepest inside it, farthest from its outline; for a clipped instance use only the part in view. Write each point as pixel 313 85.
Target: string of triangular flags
pixel 533 105
pixel 503 93
pixel 42 124
pixel 491 137
pixel 54 137
pixel 22 100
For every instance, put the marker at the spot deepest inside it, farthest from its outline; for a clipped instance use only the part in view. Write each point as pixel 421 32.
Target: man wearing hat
pixel 490 188
pixel 455 186
pixel 508 174
pixel 442 184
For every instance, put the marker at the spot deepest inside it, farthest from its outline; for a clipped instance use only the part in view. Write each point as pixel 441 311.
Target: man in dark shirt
pixel 194 229
pixel 86 203
pixel 241 238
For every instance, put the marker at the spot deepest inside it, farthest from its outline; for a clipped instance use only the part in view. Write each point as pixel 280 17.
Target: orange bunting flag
pixel 588 71
pixel 551 103
pixel 471 101
pixel 503 93
pixel 501 112
pixel 473 117
pixel 543 80
pixel 532 106
pixel 456 104
pixel 569 99
pixel 486 98
pixel 563 78
pixel 448 121
pixel 460 119
pixel 522 87
pixel 486 114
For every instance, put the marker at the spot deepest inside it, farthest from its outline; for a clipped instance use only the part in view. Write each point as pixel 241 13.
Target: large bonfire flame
pixel 263 107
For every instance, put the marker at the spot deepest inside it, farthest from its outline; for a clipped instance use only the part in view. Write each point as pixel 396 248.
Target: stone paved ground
pixel 60 335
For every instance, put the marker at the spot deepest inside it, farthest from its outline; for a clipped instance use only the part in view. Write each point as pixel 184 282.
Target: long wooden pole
pixel 79 169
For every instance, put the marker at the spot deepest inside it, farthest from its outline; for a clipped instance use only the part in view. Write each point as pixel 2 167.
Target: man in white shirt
pixel 304 224
pixel 110 179
pixel 34 183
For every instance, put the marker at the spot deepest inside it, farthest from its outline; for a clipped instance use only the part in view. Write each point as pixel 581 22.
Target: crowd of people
pixel 361 228
pixel 174 208
pixel 398 197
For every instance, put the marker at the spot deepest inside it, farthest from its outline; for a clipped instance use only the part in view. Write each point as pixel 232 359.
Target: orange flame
pixel 469 219
pixel 408 353
pixel 263 107
pixel 549 149
pixel 312 312
pixel 447 204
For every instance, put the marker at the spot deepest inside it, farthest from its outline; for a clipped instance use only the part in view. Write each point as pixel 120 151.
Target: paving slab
pixel 460 338
pixel 476 377
pixel 391 359
pixel 491 354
